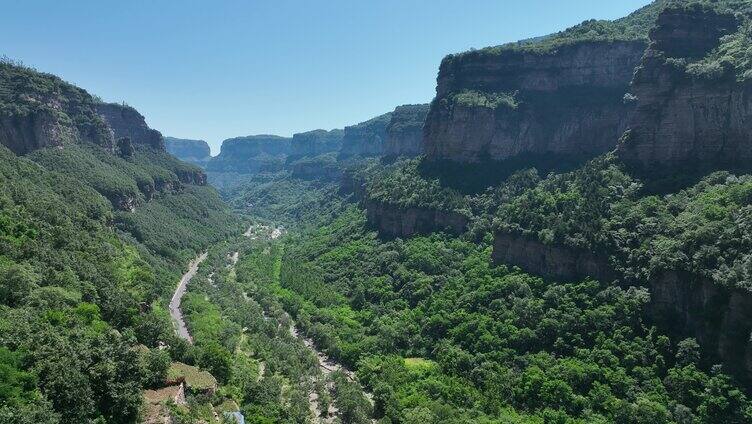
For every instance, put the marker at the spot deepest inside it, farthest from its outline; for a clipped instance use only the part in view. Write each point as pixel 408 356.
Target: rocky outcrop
pixel 498 106
pixel 322 167
pixel 24 134
pixel 393 221
pixel 125 121
pixel 315 143
pixel 551 261
pixel 685 121
pixel 193 151
pixel 719 318
pixel 251 154
pixel 405 131
pixel 366 138
pixel 41 110
pixel 683 304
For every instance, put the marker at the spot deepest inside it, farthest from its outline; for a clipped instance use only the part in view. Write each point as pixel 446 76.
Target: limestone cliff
pixel 405 131
pixel 41 110
pixel 251 154
pixel 557 96
pixel 683 304
pixel 566 102
pixel 125 121
pixel 693 113
pixel 314 143
pixel 366 138
pixel 393 221
pixel 193 151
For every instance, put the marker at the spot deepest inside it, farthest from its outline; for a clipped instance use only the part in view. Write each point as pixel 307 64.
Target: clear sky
pixel 218 69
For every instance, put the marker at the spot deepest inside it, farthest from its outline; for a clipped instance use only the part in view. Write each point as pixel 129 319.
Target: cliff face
pixel 125 121
pixel 257 153
pixel 405 131
pixel 41 110
pixel 314 143
pixel 685 305
pixel 496 106
pixel 686 121
pixel 393 221
pixel 550 261
pixel 193 151
pixel 366 138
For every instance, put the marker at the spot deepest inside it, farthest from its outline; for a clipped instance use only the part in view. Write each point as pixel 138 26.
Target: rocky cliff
pixel 251 154
pixel 683 304
pixel 316 142
pixel 567 102
pixel 694 108
pixel 323 167
pixel 561 95
pixel 41 110
pixel 405 131
pixel 366 138
pixel 126 122
pixel 393 221
pixel 193 151
pixel 552 261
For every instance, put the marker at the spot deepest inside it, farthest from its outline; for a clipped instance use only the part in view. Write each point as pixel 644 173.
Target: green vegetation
pixel 24 92
pixel 436 332
pixel 83 282
pixel 633 27
pixel 473 98
pixel 702 230
pixel 286 200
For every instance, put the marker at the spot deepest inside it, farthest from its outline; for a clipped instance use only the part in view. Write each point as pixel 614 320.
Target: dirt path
pixel 175 312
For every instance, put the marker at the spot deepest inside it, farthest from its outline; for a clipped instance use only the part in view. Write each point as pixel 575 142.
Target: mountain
pixel 405 131
pixel 254 153
pixel 191 151
pixel 366 138
pixel 316 142
pixel 96 223
pixel 691 92
pixel 560 96
pixel 529 292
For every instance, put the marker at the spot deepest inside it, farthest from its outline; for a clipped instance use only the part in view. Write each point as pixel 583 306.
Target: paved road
pixel 175 312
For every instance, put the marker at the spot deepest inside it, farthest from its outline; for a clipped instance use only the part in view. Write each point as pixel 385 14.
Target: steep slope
pixel 405 131
pixel 366 138
pixel 251 154
pixel 558 95
pixel 192 151
pixel 126 122
pixel 96 223
pixel 316 142
pixel 692 91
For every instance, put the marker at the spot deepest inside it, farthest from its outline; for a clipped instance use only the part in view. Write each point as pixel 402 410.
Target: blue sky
pixel 219 69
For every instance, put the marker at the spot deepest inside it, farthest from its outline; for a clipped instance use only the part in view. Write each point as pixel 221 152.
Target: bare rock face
pixel 251 154
pixel 193 151
pixel 496 106
pixel 366 138
pixel 682 121
pixel 552 261
pixel 125 121
pixel 41 110
pixel 24 134
pixel 316 142
pixel 393 221
pixel 405 131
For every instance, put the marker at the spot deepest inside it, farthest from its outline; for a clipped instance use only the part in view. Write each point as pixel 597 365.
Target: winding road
pixel 175 312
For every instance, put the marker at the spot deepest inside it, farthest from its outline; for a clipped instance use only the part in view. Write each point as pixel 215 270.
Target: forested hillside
pixel 482 283
pixel 562 236
pixel 94 233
